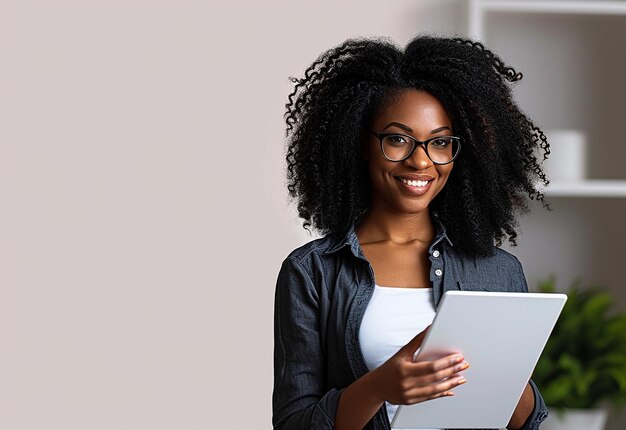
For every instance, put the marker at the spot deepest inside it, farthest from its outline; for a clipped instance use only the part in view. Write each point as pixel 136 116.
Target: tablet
pixel 501 335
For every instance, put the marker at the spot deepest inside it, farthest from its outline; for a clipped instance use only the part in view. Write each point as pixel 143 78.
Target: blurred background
pixel 144 214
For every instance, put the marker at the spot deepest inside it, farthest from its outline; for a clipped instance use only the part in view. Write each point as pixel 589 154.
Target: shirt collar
pixel 350 239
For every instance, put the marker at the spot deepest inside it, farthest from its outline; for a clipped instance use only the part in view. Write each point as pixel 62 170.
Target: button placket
pixel 436 265
pixel 436 273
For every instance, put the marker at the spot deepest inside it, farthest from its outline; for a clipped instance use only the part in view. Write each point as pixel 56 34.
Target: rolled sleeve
pixel 300 399
pixel 539 413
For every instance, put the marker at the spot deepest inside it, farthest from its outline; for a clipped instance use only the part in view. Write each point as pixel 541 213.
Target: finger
pixel 434 396
pixel 444 394
pixel 442 374
pixel 448 384
pixel 435 389
pixel 420 368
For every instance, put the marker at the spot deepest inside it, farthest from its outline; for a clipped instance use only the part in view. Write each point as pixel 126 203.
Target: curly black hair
pixel 330 107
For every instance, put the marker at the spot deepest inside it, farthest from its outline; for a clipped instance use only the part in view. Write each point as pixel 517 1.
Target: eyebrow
pixel 409 129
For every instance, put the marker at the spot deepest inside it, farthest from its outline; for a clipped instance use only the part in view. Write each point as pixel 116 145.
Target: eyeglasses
pixel 399 147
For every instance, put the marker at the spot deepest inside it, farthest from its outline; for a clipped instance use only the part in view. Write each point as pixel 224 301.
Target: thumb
pixel 410 348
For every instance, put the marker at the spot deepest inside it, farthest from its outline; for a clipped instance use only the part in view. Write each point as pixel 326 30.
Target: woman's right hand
pixel 402 381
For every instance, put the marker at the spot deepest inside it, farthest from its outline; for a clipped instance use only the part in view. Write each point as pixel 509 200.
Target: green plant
pixel 584 360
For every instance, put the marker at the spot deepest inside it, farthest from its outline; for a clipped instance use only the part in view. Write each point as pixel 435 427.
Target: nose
pixel 418 159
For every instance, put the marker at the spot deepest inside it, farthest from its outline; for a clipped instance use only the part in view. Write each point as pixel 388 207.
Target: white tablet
pixel 501 335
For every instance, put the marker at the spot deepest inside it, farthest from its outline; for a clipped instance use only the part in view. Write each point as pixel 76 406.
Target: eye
pixel 441 142
pixel 396 140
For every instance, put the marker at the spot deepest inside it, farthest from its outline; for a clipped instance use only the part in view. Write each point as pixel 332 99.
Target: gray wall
pixel 140 247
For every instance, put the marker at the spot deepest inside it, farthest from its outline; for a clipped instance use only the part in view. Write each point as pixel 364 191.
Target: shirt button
pixel 435 253
pixel 438 272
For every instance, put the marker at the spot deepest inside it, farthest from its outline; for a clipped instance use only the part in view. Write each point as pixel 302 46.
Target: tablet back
pixel 501 335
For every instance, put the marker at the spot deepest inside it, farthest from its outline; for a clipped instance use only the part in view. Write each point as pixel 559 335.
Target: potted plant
pixel 584 362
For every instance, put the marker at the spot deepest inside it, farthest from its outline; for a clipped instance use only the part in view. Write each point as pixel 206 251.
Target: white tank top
pixel 392 318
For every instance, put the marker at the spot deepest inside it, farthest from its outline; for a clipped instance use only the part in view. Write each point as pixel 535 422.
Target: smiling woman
pixel 413 164
pixel 401 167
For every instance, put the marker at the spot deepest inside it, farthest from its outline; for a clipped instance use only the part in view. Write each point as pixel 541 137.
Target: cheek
pixel 376 161
pixel 378 172
pixel 444 172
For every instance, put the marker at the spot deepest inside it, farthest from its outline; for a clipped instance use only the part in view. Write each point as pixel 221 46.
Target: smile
pixel 414 183
pixel 415 187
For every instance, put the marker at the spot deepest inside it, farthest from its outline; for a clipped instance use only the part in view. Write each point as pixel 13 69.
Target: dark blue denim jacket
pixel 322 291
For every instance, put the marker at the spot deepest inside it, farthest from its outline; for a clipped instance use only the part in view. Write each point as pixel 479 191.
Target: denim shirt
pixel 322 290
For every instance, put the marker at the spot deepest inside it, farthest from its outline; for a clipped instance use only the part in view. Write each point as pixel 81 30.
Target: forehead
pixel 417 109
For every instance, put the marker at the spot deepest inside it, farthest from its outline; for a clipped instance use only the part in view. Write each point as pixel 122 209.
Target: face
pixel 422 116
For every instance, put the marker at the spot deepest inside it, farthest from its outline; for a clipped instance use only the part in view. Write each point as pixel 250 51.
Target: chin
pixel 414 207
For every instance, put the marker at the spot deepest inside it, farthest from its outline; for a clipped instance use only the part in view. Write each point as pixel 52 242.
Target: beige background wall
pixel 143 216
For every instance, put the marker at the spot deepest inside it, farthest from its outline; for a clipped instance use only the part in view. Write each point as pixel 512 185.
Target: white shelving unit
pixel 572 52
pixel 587 188
pixel 573 57
pixel 478 10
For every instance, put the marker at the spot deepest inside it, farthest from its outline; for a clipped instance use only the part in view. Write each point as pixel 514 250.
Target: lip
pixel 414 177
pixel 415 191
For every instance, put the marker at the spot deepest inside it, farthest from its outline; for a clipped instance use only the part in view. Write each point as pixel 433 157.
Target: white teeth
pixel 414 183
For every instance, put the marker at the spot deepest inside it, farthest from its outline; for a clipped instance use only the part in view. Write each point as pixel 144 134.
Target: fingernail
pixel 457 359
pixel 461 381
pixel 449 393
pixel 462 366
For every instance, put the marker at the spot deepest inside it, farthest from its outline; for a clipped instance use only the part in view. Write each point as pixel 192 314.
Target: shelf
pixel 480 14
pixel 582 7
pixel 587 188
pixel 478 8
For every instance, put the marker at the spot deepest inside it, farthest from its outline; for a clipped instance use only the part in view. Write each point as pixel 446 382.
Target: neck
pixel 383 225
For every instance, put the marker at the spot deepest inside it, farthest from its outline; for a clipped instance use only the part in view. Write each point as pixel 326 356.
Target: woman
pixel 412 163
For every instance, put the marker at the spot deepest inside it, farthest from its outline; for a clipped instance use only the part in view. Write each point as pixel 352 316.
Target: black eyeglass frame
pixel 417 143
